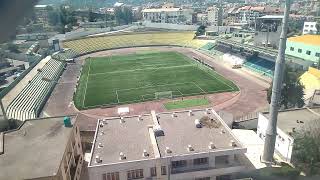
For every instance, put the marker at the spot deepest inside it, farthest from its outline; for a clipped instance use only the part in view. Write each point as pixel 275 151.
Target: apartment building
pixel 306 47
pixel 309 28
pixel 289 122
pixel 168 14
pixel 47 148
pixel 185 145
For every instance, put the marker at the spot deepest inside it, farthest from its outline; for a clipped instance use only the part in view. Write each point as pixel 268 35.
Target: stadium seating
pixel 260 65
pixel 67 54
pixel 208 46
pixel 28 104
pixel 87 45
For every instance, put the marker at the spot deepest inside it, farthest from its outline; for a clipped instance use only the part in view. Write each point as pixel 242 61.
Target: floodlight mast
pixel 271 132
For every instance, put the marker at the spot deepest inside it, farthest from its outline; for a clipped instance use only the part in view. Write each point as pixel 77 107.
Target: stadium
pixel 98 75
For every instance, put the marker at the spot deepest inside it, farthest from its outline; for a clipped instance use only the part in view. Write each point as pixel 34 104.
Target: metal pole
pixel 271 132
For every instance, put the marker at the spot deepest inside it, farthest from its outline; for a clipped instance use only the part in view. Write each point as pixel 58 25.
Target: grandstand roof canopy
pixel 307 39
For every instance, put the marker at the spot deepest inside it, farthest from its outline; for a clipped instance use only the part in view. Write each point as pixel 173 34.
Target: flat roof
pixel 307 39
pixel 35 150
pixel 132 136
pixel 271 17
pixel 162 10
pixel 288 119
pixel 180 131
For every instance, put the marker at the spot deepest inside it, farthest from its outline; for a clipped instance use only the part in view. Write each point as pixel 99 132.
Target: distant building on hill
pixel 309 28
pixel 306 47
pixel 168 14
pixel 157 146
pixel 47 148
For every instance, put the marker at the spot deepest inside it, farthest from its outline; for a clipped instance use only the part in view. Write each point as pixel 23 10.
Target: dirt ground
pixel 250 98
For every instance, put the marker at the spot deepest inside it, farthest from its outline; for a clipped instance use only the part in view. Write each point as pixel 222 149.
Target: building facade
pixel 157 146
pixel 48 148
pixel 309 28
pixel 306 47
pixel 289 122
pixel 168 14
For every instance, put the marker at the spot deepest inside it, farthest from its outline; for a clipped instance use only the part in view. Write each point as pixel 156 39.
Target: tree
pixel 201 30
pixel 306 147
pixel 292 91
pixel 123 15
pixel 13 48
pixel 318 27
pixel 53 17
pixel 91 16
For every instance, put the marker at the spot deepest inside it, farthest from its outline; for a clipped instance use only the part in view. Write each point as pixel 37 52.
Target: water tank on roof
pixel 67 121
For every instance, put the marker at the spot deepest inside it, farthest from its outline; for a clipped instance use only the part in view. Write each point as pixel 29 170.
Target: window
pixel 291 48
pixel 177 164
pixel 135 174
pixel 308 52
pixel 299 50
pixel 306 26
pixel 311 26
pixel 200 161
pixel 163 170
pixel 153 171
pixel 113 176
pixel 203 178
pixel 317 54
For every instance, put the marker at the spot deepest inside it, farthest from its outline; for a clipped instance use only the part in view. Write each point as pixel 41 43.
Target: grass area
pixel 138 77
pixel 185 103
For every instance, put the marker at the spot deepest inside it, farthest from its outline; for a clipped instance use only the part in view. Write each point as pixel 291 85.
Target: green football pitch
pixel 113 80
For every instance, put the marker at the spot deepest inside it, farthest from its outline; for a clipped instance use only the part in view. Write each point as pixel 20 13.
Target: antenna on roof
pixel 122 120
pixel 211 146
pixel 145 153
pixel 168 151
pixel 122 156
pixel 190 148
pixel 98 159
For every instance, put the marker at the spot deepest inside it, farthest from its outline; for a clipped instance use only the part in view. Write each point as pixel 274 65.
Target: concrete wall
pixel 86 32
pixel 181 27
pixel 284 143
pixel 191 171
pixel 294 52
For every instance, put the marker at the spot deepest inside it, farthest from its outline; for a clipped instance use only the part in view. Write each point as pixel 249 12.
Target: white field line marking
pixel 117 96
pixel 133 70
pixel 180 92
pixel 216 77
pixel 151 86
pixel 85 90
pixel 199 87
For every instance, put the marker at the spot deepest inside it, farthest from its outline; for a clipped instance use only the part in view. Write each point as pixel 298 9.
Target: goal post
pixel 163 95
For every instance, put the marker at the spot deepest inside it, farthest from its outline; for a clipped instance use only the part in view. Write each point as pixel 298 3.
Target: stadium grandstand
pixel 94 44
pixel 29 102
pixel 65 55
pixel 260 65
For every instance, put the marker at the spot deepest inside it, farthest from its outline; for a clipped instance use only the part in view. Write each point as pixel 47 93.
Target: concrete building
pixel 48 148
pixel 309 28
pixel 268 30
pixel 185 145
pixel 213 14
pixel 168 14
pixel 289 123
pixel 306 47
